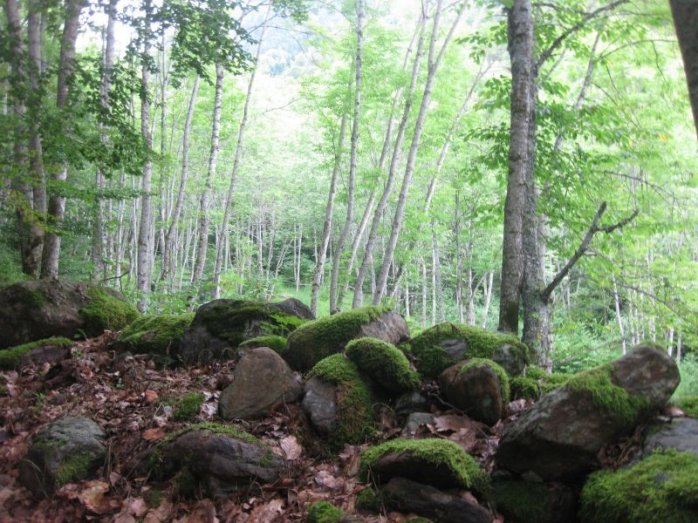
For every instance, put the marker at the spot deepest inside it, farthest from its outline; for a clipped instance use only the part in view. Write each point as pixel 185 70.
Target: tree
pixel 685 14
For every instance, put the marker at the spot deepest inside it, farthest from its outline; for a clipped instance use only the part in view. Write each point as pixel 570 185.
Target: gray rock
pixel 319 403
pixel 261 381
pixel 411 402
pixel 50 354
pixel 68 450
pixel 408 496
pixel 416 420
pixel 560 436
pixel 220 462
pixel 681 434
pixel 510 358
pixel 477 391
pixel 390 327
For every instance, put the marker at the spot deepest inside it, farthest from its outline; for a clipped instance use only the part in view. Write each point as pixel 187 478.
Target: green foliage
pixel 188 406
pixel 383 363
pixel 688 404
pixel 661 487
pixel 434 451
pixel 354 400
pixel 524 388
pixel 688 368
pixel 324 512
pixel 317 339
pixel 498 370
pixel 106 311
pixel 155 334
pixel 11 357
pixel 431 358
pixel 276 343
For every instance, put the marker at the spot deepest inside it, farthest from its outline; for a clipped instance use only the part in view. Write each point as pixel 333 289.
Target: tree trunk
pixel 356 121
pixel 685 14
pixel 619 317
pixel 56 202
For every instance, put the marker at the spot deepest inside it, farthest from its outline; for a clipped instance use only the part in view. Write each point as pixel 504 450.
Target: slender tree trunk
pixel 171 234
pixel 356 121
pixel 433 64
pixel 685 13
pixel 236 163
pixel 329 209
pixel 488 284
pixel 619 316
pixel 56 202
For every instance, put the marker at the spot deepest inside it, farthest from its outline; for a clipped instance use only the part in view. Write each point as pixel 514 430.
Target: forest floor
pixel 124 395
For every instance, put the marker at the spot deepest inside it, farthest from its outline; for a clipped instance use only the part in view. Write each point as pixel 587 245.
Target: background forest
pixel 348 153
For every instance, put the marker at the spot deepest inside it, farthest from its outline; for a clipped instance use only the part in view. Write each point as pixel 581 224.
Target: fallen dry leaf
pixel 155 434
pixel 150 396
pixel 291 448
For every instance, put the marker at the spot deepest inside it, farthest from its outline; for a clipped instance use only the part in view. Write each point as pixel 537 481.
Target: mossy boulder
pixel 384 363
pixel 437 462
pixel 57 349
pixel 324 512
pixel 35 310
pixel 339 402
pixel 68 450
pixel 532 502
pixel 479 387
pixel 329 335
pixel 157 334
pixel 524 388
pixel 220 326
pixel 217 459
pixel 442 345
pixel 661 487
pixel 560 436
pixel 275 343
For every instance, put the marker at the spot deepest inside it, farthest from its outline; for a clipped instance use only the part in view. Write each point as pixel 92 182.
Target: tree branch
pixel 584 245
pixel 576 27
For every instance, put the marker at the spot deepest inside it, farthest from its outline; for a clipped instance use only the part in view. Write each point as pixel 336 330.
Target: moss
pixel 106 311
pixel 661 487
pixel 276 343
pixel 498 370
pixel 607 396
pixel 155 334
pixel 536 373
pixel 354 400
pixel 324 512
pixel 689 405
pixel 436 452
pixel 185 484
pixel 75 468
pixel 524 388
pixel 431 358
pixel 318 339
pixel 384 363
pixel 369 500
pixel 522 501
pixel 188 406
pixel 554 381
pixel 10 358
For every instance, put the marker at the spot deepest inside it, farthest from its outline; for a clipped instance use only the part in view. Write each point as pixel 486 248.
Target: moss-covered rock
pixel 34 310
pixel 220 326
pixel 524 388
pixel 160 334
pixel 442 345
pixel 437 462
pixel 324 512
pixel 532 502
pixel 11 358
pixel 275 343
pixel 688 404
pixel 369 500
pixel 330 335
pixel 353 418
pixel 496 368
pixel 386 365
pixel 661 487
pixel 550 382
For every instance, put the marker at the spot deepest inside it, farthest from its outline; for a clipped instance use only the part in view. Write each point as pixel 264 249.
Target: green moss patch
pixel 536 373
pixel 524 388
pixel 76 468
pixel 187 407
pixel 607 396
pixel 498 370
pixel 318 339
pixel 661 487
pixel 106 311
pixel 434 453
pixel 524 501
pixel 324 512
pixel 369 500
pixel 276 343
pixel 10 358
pixel 155 334
pixel 553 381
pixel 431 358
pixel 354 400
pixel 384 363
pixel 689 405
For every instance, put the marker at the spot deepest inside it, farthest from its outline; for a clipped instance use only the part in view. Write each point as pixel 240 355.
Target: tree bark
pixel 685 14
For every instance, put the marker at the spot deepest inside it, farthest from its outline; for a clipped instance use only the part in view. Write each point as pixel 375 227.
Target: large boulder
pixel 442 345
pixel 385 364
pixel 219 458
pixel 316 340
pixel 479 387
pixel 560 436
pixel 158 335
pixel 68 450
pixel 261 381
pixel 33 310
pixel 220 326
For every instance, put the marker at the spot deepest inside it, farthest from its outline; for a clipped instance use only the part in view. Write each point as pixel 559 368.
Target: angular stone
pixel 320 404
pixel 681 434
pixel 477 391
pixel 261 381
pixel 416 420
